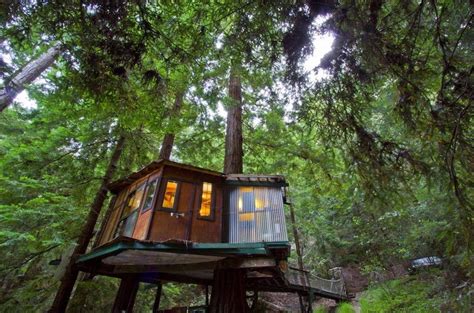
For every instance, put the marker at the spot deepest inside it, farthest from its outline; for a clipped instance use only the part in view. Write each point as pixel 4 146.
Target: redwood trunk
pixel 26 75
pixel 233 161
pixel 228 291
pixel 70 275
pixel 168 140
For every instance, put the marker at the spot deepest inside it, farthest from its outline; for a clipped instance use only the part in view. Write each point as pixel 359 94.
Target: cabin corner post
pixel 105 220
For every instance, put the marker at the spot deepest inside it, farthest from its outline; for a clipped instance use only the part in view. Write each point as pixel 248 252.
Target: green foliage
pixel 422 293
pixel 345 308
pixel 377 152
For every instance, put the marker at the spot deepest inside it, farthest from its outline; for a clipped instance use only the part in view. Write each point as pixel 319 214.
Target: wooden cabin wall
pixel 164 225
pixel 203 230
pixel 144 218
pixel 115 217
pixel 187 227
pixel 160 225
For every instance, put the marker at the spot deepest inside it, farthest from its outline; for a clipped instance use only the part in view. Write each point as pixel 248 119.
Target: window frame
pixel 176 196
pixel 138 209
pixel 153 199
pixel 211 216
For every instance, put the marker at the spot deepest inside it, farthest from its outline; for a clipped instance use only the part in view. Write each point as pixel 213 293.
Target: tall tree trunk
pixel 26 75
pixel 70 275
pixel 228 291
pixel 233 161
pixel 168 140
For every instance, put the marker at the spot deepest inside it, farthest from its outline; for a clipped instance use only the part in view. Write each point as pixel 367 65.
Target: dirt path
pixel 356 302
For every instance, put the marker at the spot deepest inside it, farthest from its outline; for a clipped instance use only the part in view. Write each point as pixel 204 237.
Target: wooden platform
pixel 187 262
pixel 180 261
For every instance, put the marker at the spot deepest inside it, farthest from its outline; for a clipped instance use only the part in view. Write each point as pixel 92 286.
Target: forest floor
pixel 429 291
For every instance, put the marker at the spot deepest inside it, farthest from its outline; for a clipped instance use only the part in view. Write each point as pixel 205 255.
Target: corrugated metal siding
pixel 256 214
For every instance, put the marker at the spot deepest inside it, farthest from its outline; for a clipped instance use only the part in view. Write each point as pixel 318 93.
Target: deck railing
pixel 305 279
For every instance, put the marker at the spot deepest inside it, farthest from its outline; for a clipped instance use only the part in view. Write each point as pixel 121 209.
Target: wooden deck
pixel 186 262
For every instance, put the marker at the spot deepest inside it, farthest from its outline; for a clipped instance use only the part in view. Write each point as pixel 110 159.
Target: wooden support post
pixel 302 308
pixel 228 291
pixel 159 290
pixel 207 295
pixel 310 301
pixel 125 298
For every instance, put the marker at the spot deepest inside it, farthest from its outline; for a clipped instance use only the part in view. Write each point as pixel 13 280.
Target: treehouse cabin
pixel 167 201
pixel 180 223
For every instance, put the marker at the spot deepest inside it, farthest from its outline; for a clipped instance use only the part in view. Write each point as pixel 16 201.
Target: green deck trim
pixel 218 249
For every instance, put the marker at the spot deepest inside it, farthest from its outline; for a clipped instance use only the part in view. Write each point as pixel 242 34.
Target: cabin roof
pixel 123 182
pixel 255 179
pixel 231 179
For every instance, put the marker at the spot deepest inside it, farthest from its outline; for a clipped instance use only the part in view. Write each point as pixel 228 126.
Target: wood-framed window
pixel 129 214
pixel 207 203
pixel 169 199
pixel 150 195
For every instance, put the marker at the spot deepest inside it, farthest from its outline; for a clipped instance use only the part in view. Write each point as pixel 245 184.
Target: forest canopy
pixel 378 149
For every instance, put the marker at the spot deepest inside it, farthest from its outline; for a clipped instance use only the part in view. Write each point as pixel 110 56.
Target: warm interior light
pixel 137 198
pixel 246 217
pixel 170 194
pixel 206 200
pixel 133 201
pixel 259 203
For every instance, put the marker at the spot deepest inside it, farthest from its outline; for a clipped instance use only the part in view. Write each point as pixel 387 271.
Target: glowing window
pixel 170 195
pixel 133 201
pixel 206 200
pixel 130 213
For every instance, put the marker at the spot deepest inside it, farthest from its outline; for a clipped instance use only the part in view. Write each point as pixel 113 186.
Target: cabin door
pixel 143 221
pixel 176 223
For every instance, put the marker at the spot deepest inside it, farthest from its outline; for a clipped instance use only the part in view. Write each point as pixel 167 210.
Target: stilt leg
pixel 310 301
pixel 301 303
pixel 125 298
pixel 156 305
